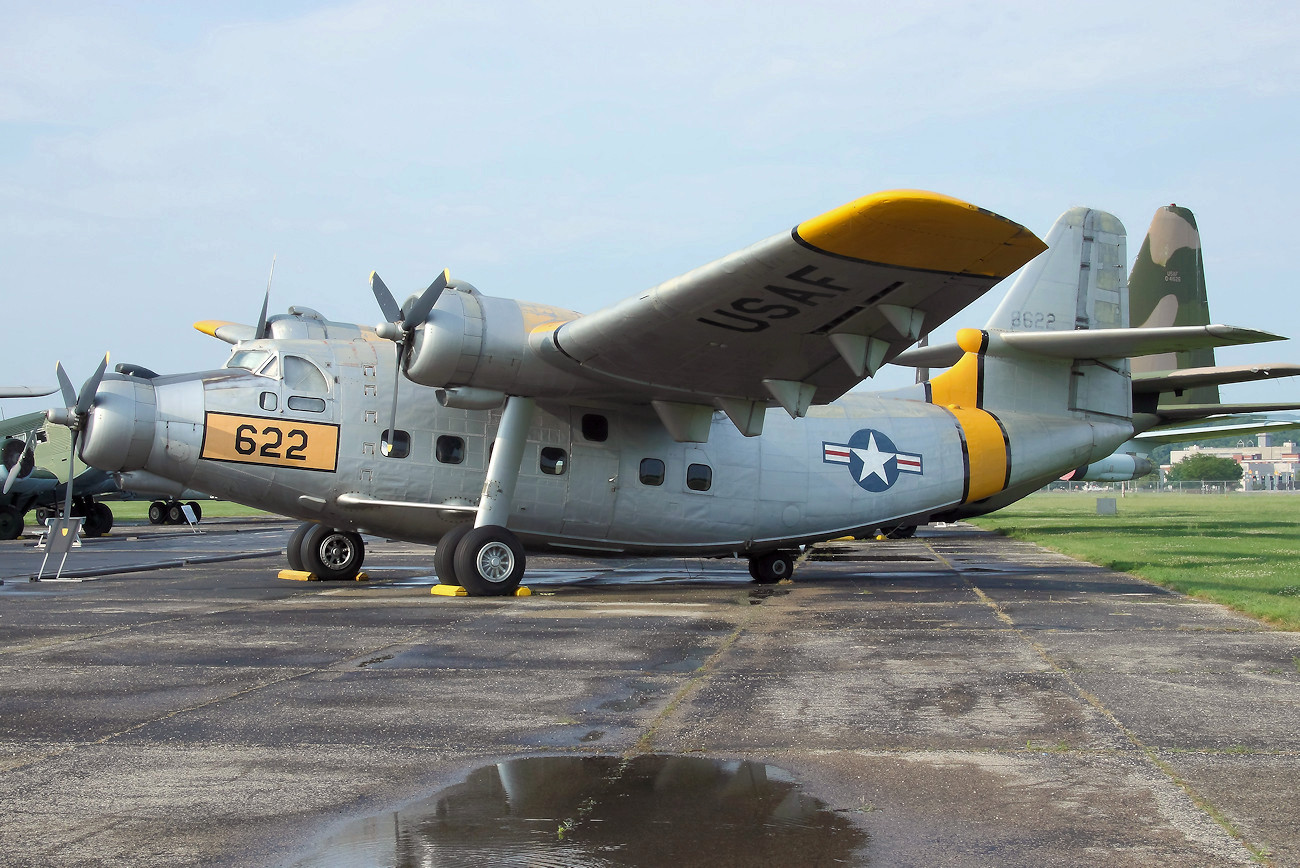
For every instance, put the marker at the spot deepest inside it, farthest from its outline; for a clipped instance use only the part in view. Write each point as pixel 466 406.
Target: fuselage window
pixel 553 460
pixel 269 401
pixel 652 471
pixel 449 449
pixel 699 477
pixel 395 444
pixel 308 405
pixel 595 427
pixel 301 375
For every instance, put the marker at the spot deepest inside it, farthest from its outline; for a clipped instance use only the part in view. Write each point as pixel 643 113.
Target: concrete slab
pixel 960 698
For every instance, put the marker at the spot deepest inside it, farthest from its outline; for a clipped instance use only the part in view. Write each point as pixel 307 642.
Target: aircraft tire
pixel 99 519
pixel 772 567
pixel 901 531
pixel 157 512
pixel 490 562
pixel 444 556
pixel 198 510
pixel 333 555
pixel 293 548
pixel 11 523
pixel 42 514
pixel 175 515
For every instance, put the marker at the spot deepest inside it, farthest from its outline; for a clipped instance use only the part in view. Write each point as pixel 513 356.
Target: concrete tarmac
pixel 959 698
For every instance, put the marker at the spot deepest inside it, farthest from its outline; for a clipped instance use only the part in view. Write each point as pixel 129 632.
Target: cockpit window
pixel 301 375
pixel 249 360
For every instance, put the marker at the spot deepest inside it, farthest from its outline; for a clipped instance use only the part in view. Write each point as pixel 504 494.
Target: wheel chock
pixel 458 591
pixel 303 576
pixel 449 591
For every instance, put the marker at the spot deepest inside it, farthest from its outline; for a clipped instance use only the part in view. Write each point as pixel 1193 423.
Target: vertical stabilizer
pixel 1077 284
pixel 1167 288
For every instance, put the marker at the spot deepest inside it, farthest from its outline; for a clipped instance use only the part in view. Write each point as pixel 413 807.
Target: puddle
pixel 601 812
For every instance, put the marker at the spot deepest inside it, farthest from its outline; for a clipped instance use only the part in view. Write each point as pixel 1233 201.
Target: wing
pixel 801 317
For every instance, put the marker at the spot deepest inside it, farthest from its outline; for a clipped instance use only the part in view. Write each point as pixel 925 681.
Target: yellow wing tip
pixel 923 230
pixel 209 326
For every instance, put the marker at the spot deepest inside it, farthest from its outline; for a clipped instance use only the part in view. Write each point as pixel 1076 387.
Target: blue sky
pixel 154 156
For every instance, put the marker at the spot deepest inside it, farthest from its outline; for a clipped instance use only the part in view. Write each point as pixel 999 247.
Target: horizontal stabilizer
pixel 1189 378
pixel 1218 426
pixel 1122 343
pixel 230 332
pixel 1190 412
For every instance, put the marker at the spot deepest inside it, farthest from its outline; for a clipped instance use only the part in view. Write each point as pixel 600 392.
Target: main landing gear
pixel 170 512
pixel 325 551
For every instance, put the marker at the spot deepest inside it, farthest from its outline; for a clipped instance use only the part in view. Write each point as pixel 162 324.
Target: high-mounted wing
pixel 803 316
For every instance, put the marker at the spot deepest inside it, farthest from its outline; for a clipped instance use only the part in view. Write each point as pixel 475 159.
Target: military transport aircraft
pixel 644 427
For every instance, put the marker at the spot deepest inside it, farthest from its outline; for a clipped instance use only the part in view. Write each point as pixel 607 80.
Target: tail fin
pixel 1167 288
pixel 1077 284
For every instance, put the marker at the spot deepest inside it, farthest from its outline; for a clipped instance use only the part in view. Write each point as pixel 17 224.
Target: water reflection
pixel 605 811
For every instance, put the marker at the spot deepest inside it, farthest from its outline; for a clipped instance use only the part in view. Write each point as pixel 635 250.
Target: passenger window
pixel 652 471
pixel 309 405
pixel 449 449
pixel 553 460
pixel 269 401
pixel 699 477
pixel 595 428
pixel 395 444
pixel 301 375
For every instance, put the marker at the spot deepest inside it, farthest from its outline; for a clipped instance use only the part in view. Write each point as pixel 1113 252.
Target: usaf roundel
pixel 872 460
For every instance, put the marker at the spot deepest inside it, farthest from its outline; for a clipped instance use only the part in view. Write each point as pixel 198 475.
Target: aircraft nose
pixel 118 433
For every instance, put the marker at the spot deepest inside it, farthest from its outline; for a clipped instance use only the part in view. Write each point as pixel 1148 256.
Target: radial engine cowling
pixel 446 347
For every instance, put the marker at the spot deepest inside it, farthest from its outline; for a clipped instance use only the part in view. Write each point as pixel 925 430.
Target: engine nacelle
pixel 476 347
pixel 1119 467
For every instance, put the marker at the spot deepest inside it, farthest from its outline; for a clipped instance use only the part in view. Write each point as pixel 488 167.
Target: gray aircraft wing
pixel 803 316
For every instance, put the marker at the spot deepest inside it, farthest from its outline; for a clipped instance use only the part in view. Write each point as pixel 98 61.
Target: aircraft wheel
pixel 157 512
pixel 198 510
pixel 42 515
pixel 770 568
pixel 332 554
pixel 175 515
pixel 901 531
pixel 99 520
pixel 11 523
pixel 293 548
pixel 444 556
pixel 490 561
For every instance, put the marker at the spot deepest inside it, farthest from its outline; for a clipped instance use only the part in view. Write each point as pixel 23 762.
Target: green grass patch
pixel 138 510
pixel 1242 550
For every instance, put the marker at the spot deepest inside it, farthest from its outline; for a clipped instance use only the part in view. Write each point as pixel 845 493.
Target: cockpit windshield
pixel 248 360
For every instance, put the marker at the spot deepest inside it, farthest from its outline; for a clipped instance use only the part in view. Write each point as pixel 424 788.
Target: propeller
pixel 16 471
pixel 401 324
pixel 73 415
pixel 262 331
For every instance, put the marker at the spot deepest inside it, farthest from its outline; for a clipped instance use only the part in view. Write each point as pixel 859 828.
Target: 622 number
pixel 246 444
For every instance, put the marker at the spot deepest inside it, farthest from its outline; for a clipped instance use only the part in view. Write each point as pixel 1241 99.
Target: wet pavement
pixel 956 699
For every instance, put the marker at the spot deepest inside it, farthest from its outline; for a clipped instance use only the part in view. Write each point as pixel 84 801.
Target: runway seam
pixel 1203 804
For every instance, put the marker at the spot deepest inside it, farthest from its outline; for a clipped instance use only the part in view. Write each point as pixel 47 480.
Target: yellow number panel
pixel 278 442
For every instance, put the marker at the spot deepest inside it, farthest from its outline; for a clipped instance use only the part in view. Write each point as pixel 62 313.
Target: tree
pixel 1208 468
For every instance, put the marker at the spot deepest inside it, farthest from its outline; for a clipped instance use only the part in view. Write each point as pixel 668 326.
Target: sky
pixel 155 156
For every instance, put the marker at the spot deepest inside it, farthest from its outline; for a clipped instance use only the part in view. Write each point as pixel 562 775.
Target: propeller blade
pixel 87 395
pixel 72 458
pixel 266 302
pixel 387 304
pixel 392 417
pixel 16 470
pixel 419 311
pixel 69 393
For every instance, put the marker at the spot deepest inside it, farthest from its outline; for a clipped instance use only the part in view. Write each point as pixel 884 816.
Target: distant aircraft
pixel 643 427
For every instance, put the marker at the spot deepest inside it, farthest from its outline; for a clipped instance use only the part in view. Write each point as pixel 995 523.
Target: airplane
pixel 644 427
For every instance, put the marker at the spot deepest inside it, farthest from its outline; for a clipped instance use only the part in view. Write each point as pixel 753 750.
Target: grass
pixel 1242 550
pixel 138 510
